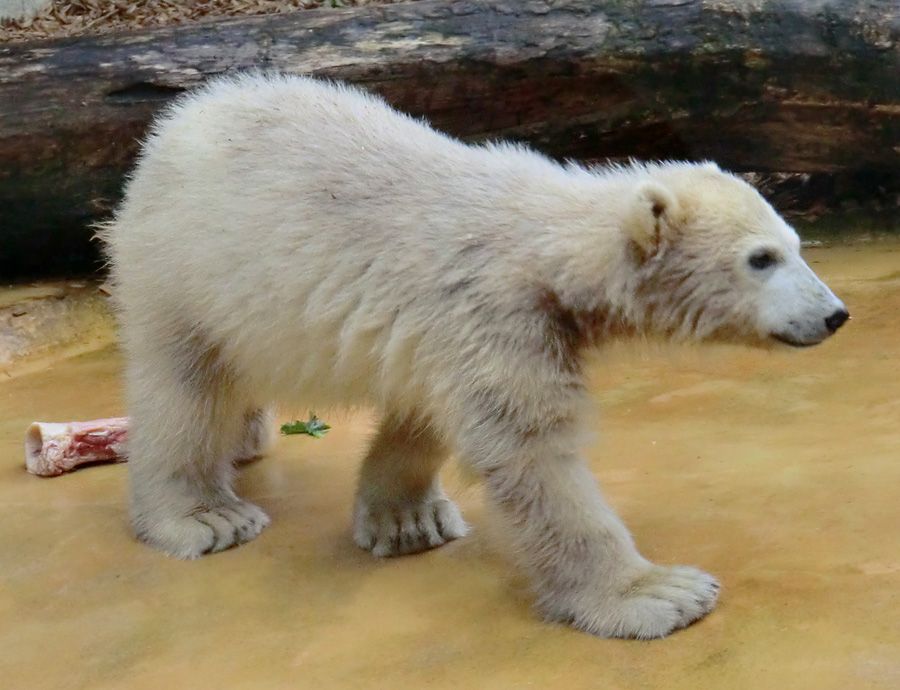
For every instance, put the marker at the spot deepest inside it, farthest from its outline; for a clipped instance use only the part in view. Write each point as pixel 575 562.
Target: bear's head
pixel 715 262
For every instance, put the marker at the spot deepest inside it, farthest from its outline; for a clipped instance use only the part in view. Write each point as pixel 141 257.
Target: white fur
pixel 284 239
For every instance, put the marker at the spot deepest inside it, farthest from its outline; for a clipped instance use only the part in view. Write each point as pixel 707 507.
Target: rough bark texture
pixel 779 85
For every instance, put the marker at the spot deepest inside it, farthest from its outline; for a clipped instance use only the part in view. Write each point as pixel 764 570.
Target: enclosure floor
pixel 777 471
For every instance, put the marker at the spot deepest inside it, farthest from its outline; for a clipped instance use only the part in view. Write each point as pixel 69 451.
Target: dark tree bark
pixel 762 85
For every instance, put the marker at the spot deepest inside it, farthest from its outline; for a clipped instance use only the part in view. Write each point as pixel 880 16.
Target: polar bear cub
pixel 286 239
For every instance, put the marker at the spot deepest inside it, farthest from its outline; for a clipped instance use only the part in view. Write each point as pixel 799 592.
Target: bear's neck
pixel 583 329
pixel 574 247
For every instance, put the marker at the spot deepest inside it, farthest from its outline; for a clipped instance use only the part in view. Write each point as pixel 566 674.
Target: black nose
pixel 836 320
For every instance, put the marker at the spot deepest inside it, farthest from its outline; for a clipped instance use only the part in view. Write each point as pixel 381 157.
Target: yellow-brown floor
pixel 778 471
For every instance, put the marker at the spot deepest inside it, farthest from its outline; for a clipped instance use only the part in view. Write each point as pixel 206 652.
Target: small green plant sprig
pixel 315 427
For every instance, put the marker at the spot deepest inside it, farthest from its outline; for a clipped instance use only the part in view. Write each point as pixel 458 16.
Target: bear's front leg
pixel 401 507
pixel 585 567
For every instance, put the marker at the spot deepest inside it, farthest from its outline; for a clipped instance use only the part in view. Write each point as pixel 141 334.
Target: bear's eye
pixel 762 260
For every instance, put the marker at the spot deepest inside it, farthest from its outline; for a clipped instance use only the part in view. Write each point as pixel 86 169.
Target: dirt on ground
pixel 86 17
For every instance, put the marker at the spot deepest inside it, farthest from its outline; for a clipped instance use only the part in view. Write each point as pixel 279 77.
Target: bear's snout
pixel 836 320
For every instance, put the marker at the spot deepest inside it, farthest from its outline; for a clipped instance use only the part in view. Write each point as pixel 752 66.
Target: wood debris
pixel 90 17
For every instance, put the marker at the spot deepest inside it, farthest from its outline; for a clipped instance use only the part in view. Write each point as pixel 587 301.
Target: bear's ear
pixel 654 209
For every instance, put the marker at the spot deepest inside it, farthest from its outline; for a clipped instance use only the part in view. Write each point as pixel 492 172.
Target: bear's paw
pixel 657 603
pixel 392 530
pixel 205 530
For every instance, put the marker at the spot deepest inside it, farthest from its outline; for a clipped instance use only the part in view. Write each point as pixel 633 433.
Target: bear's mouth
pixel 793 342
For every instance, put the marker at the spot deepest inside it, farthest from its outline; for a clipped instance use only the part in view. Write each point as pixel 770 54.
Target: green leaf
pixel 315 427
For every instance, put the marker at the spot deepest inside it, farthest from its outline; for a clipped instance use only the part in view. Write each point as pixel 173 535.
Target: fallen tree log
pixel 761 85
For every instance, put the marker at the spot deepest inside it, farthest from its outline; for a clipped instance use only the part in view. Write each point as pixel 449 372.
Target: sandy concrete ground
pixel 777 471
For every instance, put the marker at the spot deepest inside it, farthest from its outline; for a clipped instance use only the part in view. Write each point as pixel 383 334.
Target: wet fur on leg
pixel 401 507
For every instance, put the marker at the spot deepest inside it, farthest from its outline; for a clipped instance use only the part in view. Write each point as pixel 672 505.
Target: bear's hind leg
pixel 189 419
pixel 401 507
pixel 258 435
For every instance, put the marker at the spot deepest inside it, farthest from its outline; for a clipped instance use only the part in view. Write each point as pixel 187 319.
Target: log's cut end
pixel 52 448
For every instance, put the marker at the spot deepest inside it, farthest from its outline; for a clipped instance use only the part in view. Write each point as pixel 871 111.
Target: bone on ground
pixel 52 449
